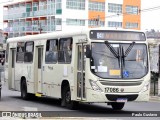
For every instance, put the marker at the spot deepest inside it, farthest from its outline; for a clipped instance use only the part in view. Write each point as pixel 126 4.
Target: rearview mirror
pixel 88 51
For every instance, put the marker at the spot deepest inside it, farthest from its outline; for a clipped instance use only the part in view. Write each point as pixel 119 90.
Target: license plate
pixel 121 99
pixel 110 89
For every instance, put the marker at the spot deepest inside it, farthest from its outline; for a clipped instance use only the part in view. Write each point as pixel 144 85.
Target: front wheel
pixel 117 106
pixel 66 99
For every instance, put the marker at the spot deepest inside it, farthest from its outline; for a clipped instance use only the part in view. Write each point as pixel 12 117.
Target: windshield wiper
pixel 116 54
pixel 123 56
pixel 129 49
pixel 112 49
pixel 126 52
pixel 120 54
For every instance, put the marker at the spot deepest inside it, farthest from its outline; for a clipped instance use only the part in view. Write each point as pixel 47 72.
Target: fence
pixel 154 88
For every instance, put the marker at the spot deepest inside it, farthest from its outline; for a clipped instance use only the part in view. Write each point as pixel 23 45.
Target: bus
pixel 94 65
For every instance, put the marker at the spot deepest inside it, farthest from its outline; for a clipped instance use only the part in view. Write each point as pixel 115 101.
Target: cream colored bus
pixel 89 65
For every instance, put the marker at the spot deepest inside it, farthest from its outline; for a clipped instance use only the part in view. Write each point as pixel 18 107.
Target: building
pixel 28 17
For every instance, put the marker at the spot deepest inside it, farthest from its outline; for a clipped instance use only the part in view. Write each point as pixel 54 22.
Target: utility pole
pixel 98 21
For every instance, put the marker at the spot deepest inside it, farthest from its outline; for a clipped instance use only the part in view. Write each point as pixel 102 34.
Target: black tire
pixel 0 93
pixel 66 99
pixel 117 106
pixel 24 94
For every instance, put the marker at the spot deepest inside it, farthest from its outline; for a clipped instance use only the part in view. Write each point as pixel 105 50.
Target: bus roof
pixel 58 34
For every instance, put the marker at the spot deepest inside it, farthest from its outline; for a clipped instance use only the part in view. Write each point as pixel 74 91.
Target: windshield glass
pixel 119 62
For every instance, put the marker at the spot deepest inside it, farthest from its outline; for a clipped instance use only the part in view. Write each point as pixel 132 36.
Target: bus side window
pixel 65 50
pixel 61 52
pixel 29 48
pixel 20 52
pixel 51 51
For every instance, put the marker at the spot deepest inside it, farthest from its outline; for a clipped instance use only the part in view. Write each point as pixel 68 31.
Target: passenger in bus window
pixel 67 50
pixel 54 50
pixel 52 53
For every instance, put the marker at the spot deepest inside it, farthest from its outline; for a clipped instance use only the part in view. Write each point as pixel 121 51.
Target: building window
pixel 114 8
pixel 58 21
pixel 97 6
pixel 20 52
pixel 58 7
pixel 75 22
pixel 131 25
pixel 51 51
pixel 132 10
pixel 65 50
pixel 114 24
pixel 75 4
pixel 96 23
pixel 29 48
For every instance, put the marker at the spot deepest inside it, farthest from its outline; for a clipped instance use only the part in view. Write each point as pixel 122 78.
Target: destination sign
pixel 117 35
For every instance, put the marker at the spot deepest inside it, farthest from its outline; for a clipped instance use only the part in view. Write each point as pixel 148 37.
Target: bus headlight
pixel 145 87
pixel 95 86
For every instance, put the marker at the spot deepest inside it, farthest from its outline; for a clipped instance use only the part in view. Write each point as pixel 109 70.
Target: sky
pixel 149 19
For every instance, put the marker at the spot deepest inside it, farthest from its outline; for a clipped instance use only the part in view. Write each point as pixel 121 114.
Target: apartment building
pixel 29 17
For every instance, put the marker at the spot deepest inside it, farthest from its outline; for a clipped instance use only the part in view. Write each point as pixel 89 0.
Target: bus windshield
pixel 127 60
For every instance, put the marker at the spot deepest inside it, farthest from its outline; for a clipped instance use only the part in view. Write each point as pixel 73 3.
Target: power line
pixel 150 9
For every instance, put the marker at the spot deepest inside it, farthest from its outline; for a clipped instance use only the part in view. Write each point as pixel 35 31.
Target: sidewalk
pixel 154 98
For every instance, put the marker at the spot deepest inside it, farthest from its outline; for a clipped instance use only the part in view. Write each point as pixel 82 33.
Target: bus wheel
pixel 117 106
pixel 0 93
pixel 24 94
pixel 66 98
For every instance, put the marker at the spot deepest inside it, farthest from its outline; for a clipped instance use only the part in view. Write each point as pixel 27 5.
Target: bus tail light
pixel 95 86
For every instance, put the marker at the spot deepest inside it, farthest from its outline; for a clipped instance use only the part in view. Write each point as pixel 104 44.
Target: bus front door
pixel 40 69
pixel 81 92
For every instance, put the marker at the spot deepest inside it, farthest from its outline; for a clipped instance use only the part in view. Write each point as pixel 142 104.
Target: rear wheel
pixel 24 94
pixel 66 99
pixel 117 106
pixel 0 93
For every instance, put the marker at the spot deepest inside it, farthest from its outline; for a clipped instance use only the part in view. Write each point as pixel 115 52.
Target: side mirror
pixel 88 51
